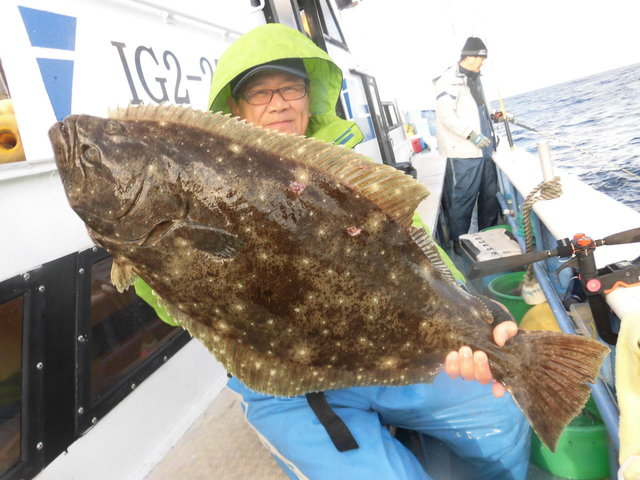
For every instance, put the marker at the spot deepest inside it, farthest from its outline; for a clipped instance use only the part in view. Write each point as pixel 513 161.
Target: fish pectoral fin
pixel 122 274
pixel 498 311
pixel 215 241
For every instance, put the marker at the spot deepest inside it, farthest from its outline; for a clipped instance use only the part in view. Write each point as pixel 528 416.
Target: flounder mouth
pixel 61 141
pixel 115 216
pixel 153 235
pixel 126 209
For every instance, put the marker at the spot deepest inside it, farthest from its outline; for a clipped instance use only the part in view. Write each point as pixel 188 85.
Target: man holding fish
pixel 296 263
pixel 276 78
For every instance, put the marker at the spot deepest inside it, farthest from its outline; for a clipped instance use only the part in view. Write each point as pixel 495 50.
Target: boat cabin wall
pixel 87 56
pixel 60 58
pixel 71 346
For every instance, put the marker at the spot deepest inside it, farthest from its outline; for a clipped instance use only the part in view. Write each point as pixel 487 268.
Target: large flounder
pixel 294 261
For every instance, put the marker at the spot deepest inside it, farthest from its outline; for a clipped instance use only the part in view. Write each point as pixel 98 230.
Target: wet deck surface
pixel 220 445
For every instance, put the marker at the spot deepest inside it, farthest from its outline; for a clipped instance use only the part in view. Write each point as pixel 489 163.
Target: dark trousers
pixel 466 181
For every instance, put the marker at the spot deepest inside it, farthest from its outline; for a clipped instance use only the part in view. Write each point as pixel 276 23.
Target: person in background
pixel 466 137
pixel 277 78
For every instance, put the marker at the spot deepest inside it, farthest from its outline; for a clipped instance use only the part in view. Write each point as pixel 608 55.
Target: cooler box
pixel 489 244
pixel 496 242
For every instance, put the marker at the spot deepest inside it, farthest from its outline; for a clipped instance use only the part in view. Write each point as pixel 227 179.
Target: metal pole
pixel 544 153
pixel 505 120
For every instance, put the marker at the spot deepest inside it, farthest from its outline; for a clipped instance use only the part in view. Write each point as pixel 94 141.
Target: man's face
pixel 286 116
pixel 474 63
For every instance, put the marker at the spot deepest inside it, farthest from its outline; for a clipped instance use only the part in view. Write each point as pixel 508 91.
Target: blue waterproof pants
pixel 489 434
pixel 468 180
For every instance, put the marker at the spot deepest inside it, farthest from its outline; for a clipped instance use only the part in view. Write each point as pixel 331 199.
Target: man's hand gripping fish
pixel 295 261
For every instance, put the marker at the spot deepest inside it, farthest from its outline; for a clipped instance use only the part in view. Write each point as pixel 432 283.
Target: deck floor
pixel 430 167
pixel 220 445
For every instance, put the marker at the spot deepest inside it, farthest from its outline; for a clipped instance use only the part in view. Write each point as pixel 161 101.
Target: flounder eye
pixel 113 128
pixel 90 154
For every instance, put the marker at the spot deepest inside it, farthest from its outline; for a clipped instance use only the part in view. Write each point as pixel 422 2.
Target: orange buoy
pixel 10 143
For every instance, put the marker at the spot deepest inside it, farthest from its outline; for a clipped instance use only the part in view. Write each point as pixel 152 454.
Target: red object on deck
pixel 416 144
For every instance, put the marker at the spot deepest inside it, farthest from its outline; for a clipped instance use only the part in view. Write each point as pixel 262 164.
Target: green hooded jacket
pixel 275 41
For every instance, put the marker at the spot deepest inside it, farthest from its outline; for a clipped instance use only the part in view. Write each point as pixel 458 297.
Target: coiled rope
pixel 543 191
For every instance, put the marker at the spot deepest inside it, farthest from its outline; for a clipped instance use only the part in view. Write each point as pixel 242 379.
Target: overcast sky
pixel 406 43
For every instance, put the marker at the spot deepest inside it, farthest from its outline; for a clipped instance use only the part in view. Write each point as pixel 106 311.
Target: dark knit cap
pixel 474 47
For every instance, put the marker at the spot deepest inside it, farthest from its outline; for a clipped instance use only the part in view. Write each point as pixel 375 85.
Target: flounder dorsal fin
pixel 394 192
pixel 428 246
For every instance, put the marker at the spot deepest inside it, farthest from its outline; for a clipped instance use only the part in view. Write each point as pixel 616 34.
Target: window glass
pixel 373 94
pixel 10 382
pixel 124 331
pixel 330 26
pixel 360 107
pixel 390 114
pixel 305 22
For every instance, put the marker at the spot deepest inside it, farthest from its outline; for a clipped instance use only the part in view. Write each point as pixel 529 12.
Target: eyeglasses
pixel 264 95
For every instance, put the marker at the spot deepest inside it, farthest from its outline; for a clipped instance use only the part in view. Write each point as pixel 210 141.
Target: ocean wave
pixel 591 124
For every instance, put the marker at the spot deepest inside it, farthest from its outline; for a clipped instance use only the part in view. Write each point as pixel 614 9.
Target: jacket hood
pixel 275 41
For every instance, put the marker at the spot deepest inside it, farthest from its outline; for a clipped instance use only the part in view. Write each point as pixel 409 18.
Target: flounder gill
pixel 294 261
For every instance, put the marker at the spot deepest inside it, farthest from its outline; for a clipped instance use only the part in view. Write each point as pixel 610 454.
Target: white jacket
pixel 456 115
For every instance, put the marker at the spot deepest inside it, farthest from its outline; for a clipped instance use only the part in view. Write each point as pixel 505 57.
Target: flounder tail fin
pixel 550 385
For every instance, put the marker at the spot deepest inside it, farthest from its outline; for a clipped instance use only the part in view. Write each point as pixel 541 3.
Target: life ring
pixel 10 142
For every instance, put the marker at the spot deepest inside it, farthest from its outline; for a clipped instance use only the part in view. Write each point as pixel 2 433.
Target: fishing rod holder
pixel 597 282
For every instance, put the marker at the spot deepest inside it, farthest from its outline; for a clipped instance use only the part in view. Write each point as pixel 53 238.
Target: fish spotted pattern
pixel 294 261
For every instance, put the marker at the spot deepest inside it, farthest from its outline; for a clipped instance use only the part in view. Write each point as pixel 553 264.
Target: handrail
pixel 170 13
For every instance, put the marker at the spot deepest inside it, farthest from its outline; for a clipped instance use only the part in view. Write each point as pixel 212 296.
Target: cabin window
pixel 11 319
pixel 318 20
pixel 71 348
pixel 390 115
pixel 124 331
pixel 330 25
pixel 360 107
pixel 121 340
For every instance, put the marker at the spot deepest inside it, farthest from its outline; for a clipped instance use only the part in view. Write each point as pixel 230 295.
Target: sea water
pixel 592 125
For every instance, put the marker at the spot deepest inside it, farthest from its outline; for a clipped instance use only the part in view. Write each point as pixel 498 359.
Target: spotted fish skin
pixel 292 260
